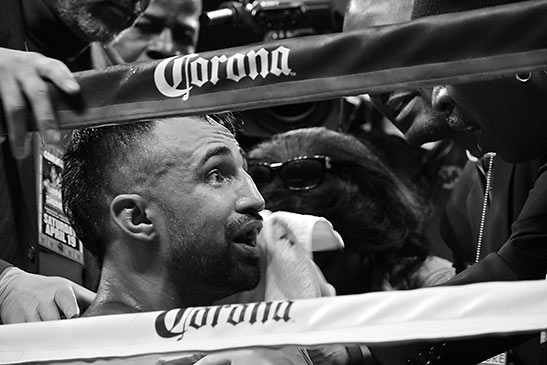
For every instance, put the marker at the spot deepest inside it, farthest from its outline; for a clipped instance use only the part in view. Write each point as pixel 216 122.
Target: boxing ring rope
pixel 445 49
pixel 451 48
pixel 440 313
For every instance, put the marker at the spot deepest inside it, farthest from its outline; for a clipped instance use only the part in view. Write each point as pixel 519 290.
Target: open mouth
pixel 399 101
pixel 248 233
pixel 402 107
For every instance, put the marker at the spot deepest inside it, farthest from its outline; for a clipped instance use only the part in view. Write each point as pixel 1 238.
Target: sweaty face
pixel 167 28
pixel 210 205
pixel 98 20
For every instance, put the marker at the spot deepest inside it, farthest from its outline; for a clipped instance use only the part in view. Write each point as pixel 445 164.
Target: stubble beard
pixel 86 26
pixel 201 276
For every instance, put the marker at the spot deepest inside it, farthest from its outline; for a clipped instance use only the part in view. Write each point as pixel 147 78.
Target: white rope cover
pixel 496 308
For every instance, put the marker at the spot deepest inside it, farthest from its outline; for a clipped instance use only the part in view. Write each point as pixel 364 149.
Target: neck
pixel 135 278
pixel 137 281
pixel 47 34
pixel 127 289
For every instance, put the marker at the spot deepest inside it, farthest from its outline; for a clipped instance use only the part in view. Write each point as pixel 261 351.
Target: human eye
pixel 216 177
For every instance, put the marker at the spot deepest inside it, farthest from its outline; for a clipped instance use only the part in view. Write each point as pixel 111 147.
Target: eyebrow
pixel 216 151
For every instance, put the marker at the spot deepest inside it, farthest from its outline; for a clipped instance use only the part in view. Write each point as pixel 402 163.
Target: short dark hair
pixel 374 211
pixel 91 156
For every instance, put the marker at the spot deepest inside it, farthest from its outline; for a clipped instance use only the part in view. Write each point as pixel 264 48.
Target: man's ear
pixel 131 212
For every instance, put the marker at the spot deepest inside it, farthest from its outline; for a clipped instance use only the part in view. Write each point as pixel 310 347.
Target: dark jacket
pixel 510 185
pixel 519 201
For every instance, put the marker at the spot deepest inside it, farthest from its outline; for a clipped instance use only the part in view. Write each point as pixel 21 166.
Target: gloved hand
pixel 26 297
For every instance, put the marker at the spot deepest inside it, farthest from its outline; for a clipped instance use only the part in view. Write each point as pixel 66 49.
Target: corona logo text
pixel 176 76
pixel 178 322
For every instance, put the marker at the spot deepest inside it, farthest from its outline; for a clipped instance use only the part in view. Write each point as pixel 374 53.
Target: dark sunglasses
pixel 299 173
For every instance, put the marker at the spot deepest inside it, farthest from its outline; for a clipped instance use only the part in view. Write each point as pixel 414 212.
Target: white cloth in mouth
pixel 287 241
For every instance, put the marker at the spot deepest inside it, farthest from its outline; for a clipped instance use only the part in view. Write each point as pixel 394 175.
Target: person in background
pixel 167 28
pixel 41 41
pixel 487 110
pixel 433 167
pixel 465 211
pixel 321 172
pixel 381 220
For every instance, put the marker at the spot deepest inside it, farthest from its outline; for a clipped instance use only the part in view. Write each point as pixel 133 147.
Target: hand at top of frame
pixel 23 85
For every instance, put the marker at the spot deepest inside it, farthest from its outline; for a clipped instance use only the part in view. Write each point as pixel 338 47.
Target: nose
pixel 250 198
pixel 441 100
pixel 162 46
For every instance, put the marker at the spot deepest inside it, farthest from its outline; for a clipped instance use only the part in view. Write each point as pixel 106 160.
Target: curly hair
pixel 375 212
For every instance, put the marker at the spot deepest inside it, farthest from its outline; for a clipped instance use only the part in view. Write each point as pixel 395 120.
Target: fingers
pixel 23 77
pixel 69 299
pixel 36 91
pixel 66 302
pixel 46 312
pixel 58 73
pixel 32 316
pixel 14 109
pixel 83 296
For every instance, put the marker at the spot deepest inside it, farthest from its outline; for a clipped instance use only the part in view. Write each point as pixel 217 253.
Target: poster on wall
pixel 56 233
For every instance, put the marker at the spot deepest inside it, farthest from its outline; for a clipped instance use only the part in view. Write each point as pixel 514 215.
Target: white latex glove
pixel 26 297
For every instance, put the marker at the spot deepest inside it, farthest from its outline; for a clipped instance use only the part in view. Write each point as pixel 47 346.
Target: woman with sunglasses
pixel 325 173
